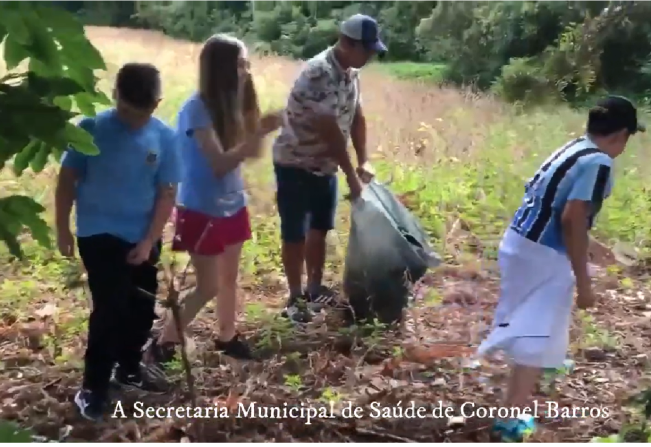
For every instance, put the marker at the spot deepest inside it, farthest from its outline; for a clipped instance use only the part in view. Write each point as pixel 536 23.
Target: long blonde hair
pixel 234 112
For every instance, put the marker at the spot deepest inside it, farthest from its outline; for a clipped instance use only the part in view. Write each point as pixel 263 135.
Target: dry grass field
pixel 459 161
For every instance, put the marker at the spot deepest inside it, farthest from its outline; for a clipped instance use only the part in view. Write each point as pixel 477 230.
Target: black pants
pixel 122 317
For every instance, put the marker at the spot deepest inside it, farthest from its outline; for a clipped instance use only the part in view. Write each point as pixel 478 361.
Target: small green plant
pixel 274 330
pixel 594 336
pixel 636 429
pixel 433 298
pixel 293 356
pixel 174 366
pixel 551 375
pixel 374 332
pixel 293 382
pixel 626 283
pixel 612 438
pixel 329 395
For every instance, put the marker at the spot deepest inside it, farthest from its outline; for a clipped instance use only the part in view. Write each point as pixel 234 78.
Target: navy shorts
pixel 306 201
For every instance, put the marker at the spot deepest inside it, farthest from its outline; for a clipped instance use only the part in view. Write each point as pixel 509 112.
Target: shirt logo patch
pixel 151 157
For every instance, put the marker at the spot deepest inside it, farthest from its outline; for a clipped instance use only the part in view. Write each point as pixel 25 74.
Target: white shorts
pixel 533 315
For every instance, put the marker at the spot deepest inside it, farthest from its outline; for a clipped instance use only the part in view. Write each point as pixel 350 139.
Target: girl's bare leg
pixel 206 271
pixel 228 264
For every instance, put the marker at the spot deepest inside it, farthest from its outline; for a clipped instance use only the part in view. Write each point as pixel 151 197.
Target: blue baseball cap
pixel 364 29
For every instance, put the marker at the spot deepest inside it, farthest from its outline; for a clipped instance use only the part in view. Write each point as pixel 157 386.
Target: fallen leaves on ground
pixel 428 364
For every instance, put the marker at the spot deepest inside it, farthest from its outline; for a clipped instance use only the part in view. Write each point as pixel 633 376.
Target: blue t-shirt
pixel 201 190
pixel 577 171
pixel 117 189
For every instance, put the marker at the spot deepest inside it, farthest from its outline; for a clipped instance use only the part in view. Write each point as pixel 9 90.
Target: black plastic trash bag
pixel 387 252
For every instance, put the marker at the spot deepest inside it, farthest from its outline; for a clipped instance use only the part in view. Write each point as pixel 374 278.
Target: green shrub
pixel 522 80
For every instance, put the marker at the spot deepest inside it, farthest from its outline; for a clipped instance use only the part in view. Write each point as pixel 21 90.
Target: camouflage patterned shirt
pixel 322 87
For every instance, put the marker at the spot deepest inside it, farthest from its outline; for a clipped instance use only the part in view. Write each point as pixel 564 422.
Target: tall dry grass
pixel 466 155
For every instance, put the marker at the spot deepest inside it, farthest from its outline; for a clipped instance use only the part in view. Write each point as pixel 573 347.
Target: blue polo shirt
pixel 117 189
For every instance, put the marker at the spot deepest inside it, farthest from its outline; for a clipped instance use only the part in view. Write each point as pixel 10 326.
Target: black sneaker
pixel 298 310
pixel 325 297
pixel 159 353
pixel 91 405
pixel 235 348
pixel 151 380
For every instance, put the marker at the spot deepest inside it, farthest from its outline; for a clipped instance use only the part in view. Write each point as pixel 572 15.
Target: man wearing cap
pixel 544 254
pixel 324 109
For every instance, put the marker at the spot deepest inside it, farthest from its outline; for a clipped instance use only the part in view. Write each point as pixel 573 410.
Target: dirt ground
pixel 425 363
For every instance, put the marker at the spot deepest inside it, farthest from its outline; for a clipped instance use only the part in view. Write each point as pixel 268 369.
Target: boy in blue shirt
pixel 544 254
pixel 124 197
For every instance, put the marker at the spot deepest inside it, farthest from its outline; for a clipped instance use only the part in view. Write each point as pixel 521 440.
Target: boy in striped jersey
pixel 544 254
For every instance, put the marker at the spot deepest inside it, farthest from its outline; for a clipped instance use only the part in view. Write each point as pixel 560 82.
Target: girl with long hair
pixel 219 127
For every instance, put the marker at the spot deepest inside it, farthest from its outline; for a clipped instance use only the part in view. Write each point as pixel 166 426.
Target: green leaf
pixel 81 74
pixel 63 102
pixel 53 86
pixel 21 205
pixel 36 108
pixel 41 68
pixel 12 145
pixel 11 241
pixel 39 160
pixel 80 140
pixel 3 32
pixel 57 152
pixel 26 212
pixel 42 46
pixel 15 53
pixel 61 21
pixel 85 104
pixel 39 229
pixel 81 51
pixel 13 19
pixel 25 156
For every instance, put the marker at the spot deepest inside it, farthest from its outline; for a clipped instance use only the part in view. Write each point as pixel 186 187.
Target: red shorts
pixel 198 233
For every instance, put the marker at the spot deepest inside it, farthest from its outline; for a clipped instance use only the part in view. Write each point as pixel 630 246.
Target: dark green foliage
pixel 10 433
pixel 36 102
pixel 569 50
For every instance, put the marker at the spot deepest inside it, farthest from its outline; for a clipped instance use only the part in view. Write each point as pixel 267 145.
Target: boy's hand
pixel 66 243
pixel 365 172
pixel 355 187
pixel 585 299
pixel 140 253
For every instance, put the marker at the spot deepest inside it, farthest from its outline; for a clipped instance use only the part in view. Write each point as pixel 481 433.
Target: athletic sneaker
pixel 325 297
pixel 298 309
pixel 514 430
pixel 236 348
pixel 91 405
pixel 151 380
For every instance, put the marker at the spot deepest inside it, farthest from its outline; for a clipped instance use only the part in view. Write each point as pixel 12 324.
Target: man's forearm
pixel 358 136
pixel 340 153
pixel 162 212
pixel 63 201
pixel 337 147
pixel 577 240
